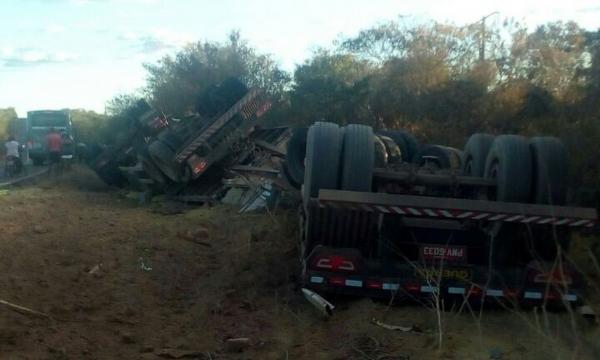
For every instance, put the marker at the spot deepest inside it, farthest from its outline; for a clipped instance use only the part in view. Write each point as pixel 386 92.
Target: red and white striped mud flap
pixel 457 209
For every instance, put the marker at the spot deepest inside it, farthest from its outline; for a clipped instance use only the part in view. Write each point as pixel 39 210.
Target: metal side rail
pixel 457 209
pixel 248 106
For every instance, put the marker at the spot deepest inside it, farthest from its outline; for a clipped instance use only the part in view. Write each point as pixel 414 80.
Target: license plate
pixel 433 274
pixel 447 253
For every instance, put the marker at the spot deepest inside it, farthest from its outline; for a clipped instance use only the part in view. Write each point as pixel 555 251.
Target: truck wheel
pixel 550 169
pixel 171 138
pixel 164 158
pixel 407 143
pixel 150 168
pixel 475 154
pixel 323 148
pixel 381 153
pixel 444 157
pixel 358 158
pixel 394 154
pixel 509 163
pixel 295 154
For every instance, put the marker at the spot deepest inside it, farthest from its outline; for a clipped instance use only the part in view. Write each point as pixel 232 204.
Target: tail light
pixel 511 294
pixel 198 164
pixel 335 263
pixel 412 287
pixel 475 291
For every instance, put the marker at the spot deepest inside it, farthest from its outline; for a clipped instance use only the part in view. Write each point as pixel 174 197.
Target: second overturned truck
pixel 384 216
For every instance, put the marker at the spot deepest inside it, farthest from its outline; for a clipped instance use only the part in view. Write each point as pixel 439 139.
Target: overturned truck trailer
pixel 194 157
pixel 384 216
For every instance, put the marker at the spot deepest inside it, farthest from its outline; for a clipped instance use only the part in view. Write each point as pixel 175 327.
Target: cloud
pixel 155 40
pixel 22 57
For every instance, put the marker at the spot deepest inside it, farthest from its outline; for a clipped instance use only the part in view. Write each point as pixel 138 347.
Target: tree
pixel 175 83
pixel 89 126
pixel 7 116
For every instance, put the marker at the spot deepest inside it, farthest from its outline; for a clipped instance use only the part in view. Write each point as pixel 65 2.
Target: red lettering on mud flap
pixel 449 253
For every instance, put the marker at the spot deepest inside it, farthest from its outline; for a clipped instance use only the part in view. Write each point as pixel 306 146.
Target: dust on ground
pixel 124 281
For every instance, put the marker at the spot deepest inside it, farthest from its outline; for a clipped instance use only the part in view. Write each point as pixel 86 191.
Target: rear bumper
pixel 402 280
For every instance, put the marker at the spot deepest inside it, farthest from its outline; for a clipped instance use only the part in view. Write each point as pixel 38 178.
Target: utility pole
pixel 482 36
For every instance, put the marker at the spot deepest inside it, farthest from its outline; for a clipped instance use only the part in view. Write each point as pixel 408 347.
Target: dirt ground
pixel 117 280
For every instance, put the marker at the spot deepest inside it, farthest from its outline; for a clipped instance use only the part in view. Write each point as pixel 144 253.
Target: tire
pixel 394 154
pixel 295 154
pixel 509 163
pixel 171 138
pixel 476 151
pixel 550 171
pixel 358 158
pixel 323 149
pixel 381 153
pixel 164 158
pixel 150 168
pixel 407 143
pixel 445 157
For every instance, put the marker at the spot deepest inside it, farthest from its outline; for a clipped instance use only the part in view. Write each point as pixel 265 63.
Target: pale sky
pixel 80 53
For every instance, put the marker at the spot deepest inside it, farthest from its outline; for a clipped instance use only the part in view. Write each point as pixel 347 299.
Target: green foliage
pixel 7 117
pixel 174 83
pixel 88 126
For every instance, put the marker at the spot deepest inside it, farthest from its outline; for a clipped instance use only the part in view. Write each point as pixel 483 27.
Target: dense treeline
pixel 441 81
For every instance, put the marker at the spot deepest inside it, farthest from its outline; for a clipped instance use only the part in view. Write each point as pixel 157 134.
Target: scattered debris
pixel 318 301
pixel 39 229
pixel 237 344
pixel 178 354
pixel 587 312
pixel 24 310
pixel 496 354
pixel 95 269
pixel 196 236
pixel 393 327
pixel 127 338
pixel 144 266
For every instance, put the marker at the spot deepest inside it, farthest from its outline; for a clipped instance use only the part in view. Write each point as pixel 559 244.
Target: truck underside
pixel 411 231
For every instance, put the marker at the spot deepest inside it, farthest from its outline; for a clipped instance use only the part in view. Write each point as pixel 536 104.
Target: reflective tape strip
pixel 494 292
pixel 570 297
pixel 579 223
pixel 414 211
pixel 516 217
pixel 354 283
pixel 562 222
pixel 545 221
pixel 465 215
pixel 498 217
pixel 383 209
pixel 430 212
pixel 530 219
pixel 532 295
pixel 397 210
pixel 481 216
pixel 456 290
pixel 390 286
pixel 316 279
pixel 446 214
pixel 429 289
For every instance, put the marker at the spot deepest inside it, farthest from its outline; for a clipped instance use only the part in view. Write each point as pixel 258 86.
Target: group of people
pixel 54 144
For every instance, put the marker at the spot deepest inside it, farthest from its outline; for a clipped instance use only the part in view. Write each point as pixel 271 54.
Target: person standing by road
pixel 55 144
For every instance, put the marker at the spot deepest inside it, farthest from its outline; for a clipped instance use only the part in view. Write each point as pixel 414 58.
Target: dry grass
pixel 197 296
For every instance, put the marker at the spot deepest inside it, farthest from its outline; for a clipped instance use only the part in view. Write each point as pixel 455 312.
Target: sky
pixel 80 53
